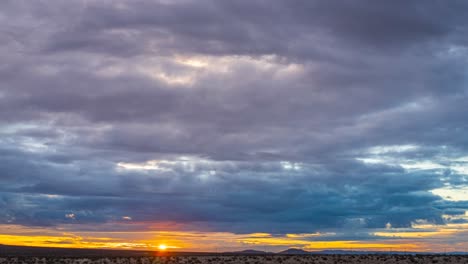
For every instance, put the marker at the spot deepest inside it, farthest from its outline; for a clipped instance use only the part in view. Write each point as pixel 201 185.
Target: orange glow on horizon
pixel 429 238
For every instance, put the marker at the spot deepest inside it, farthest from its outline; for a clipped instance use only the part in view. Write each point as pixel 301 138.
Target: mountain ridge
pixel 11 250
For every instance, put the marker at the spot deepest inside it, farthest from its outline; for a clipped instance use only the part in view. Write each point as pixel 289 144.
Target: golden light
pixel 162 247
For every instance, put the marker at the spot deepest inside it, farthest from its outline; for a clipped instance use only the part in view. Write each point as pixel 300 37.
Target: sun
pixel 162 247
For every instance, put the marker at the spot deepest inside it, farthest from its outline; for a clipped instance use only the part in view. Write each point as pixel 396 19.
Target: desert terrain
pixel 243 259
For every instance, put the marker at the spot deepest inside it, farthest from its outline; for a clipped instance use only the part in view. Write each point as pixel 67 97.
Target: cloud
pixel 242 117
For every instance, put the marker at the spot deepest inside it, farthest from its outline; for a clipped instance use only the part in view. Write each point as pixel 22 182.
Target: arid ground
pixel 243 259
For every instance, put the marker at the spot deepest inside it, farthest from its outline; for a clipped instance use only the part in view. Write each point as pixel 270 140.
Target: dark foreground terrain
pixel 37 255
pixel 243 259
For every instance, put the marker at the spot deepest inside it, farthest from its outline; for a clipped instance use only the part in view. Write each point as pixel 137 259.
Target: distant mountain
pixel 298 251
pixel 294 251
pixel 9 250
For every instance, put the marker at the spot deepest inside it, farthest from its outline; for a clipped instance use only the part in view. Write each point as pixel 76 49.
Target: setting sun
pixel 162 247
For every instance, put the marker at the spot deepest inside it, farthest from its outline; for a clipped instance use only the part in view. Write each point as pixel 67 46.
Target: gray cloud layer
pixel 273 131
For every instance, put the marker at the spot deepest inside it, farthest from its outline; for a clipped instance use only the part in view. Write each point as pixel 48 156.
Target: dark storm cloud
pixel 244 27
pixel 320 201
pixel 280 130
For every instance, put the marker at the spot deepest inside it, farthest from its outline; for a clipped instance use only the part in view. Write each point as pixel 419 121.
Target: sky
pixel 227 125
